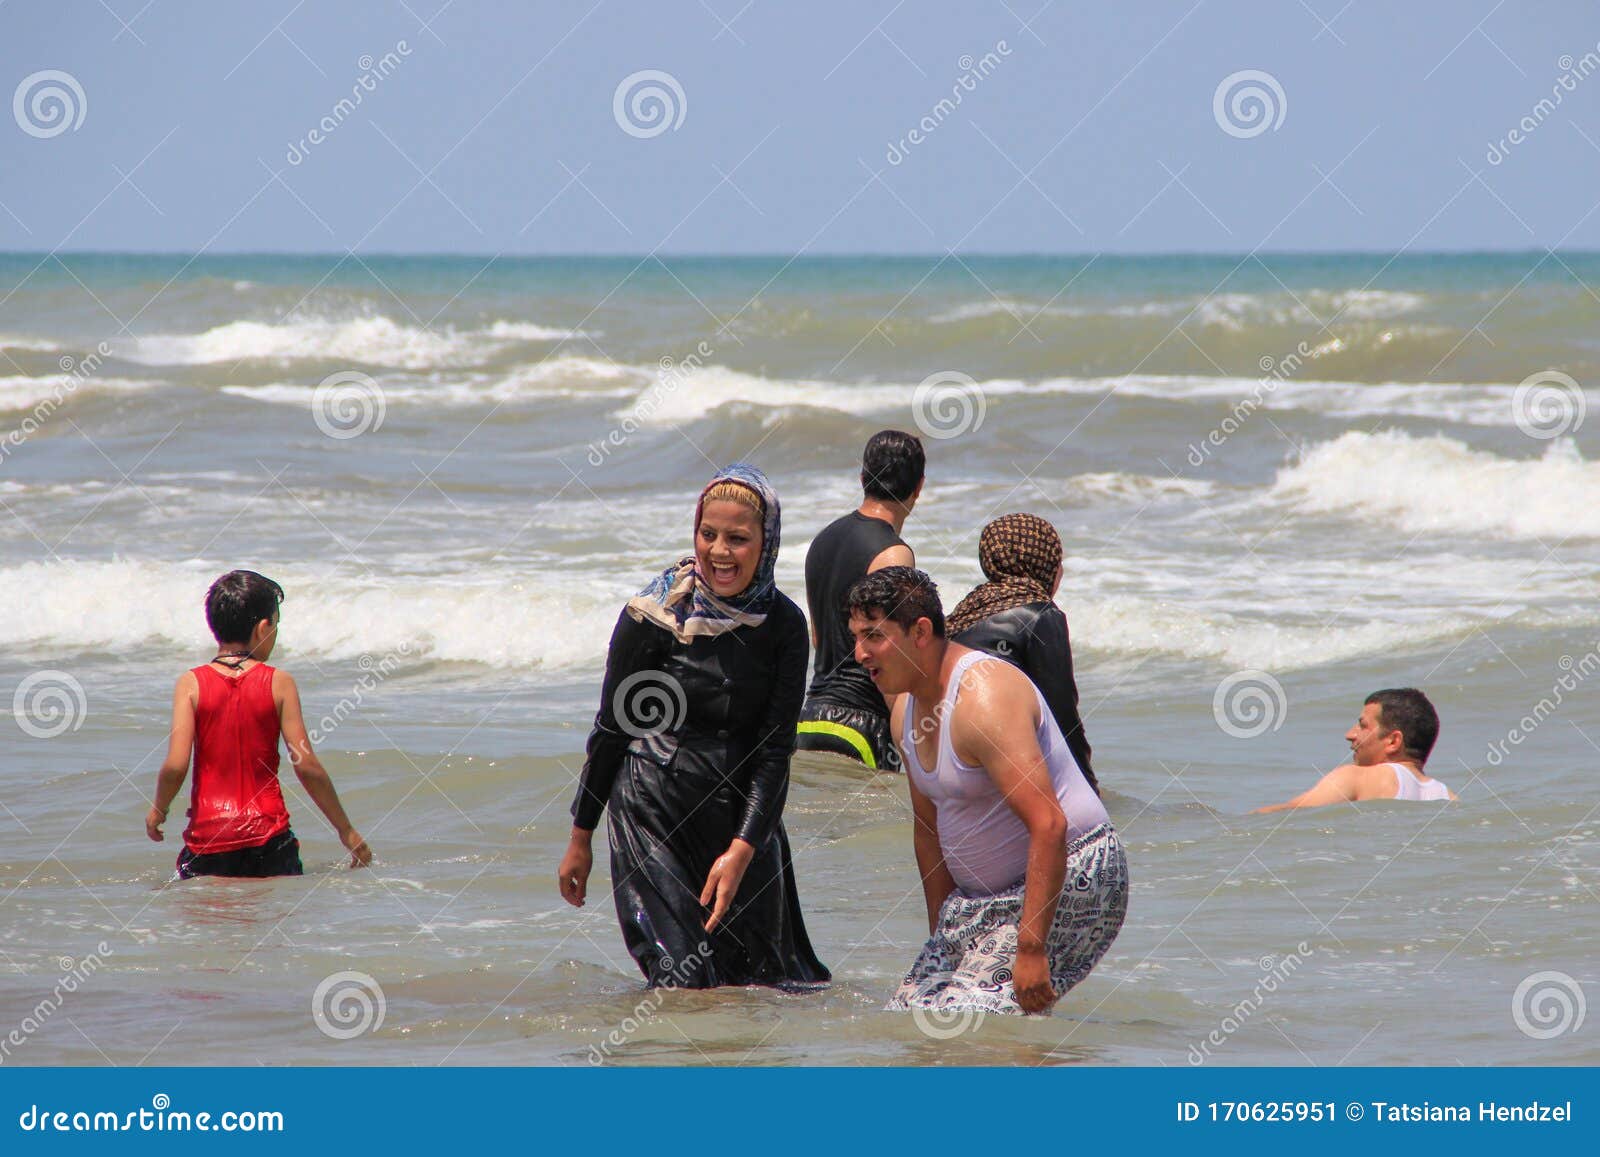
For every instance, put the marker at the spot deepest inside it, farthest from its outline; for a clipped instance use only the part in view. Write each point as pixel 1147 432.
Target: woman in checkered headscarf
pixel 1014 615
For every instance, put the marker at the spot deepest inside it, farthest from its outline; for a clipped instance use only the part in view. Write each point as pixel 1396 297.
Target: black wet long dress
pixel 678 797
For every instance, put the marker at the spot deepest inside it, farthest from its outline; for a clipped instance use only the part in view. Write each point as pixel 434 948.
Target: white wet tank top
pixel 985 843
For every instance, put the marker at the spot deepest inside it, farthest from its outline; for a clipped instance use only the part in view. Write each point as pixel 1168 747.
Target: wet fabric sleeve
pixel 775 737
pixel 634 647
pixel 1049 665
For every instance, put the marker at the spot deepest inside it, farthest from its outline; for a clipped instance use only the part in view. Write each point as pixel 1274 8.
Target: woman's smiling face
pixel 727 546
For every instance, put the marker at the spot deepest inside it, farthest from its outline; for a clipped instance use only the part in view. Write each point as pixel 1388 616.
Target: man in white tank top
pixel 1388 746
pixel 1002 814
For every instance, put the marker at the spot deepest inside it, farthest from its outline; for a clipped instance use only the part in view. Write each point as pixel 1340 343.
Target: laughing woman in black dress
pixel 689 757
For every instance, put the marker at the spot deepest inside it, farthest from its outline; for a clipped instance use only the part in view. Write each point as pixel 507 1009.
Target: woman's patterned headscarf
pixel 680 599
pixel 1019 554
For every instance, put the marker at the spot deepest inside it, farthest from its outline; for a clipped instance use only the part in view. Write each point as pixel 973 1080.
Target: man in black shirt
pixel 844 712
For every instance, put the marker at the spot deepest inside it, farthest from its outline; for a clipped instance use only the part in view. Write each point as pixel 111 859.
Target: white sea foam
pixel 1127 625
pixel 24 393
pixel 505 620
pixel 1123 487
pixel 1439 484
pixel 693 396
pixel 565 377
pixel 377 341
pixel 37 344
pixel 1234 311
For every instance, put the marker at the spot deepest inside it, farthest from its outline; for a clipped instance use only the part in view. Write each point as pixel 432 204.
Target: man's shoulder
pixel 991 681
pixel 1367 781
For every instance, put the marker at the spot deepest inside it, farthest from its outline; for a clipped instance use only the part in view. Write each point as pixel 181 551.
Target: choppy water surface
pixel 1295 479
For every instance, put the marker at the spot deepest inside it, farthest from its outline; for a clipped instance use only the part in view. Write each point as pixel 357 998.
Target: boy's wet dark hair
pixel 901 594
pixel 892 466
pixel 1408 711
pixel 238 601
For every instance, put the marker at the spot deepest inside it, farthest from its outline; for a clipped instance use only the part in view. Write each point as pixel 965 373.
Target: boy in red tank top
pixel 229 714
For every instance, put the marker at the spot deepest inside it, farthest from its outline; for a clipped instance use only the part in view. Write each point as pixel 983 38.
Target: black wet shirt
pixel 723 706
pixel 839 556
pixel 1034 637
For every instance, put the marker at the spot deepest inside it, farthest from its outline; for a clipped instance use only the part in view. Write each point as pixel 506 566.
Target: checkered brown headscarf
pixel 1019 554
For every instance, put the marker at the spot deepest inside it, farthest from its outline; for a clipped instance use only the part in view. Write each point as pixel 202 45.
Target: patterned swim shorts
pixel 969 960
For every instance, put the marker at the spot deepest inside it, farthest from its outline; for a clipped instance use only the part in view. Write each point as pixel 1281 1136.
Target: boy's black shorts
pixel 279 856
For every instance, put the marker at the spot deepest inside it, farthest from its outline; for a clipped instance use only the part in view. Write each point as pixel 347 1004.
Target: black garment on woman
pixel 715 768
pixel 1035 638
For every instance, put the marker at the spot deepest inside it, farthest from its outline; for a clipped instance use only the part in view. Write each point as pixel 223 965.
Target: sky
pixel 498 127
